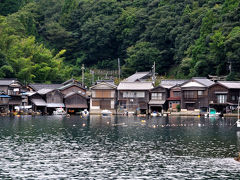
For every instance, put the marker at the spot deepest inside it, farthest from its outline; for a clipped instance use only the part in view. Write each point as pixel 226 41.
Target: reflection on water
pixel 116 147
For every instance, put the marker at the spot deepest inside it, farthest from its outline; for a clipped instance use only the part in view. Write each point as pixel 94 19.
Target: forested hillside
pixel 49 40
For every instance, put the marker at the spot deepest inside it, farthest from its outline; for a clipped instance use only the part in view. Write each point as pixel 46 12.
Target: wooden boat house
pixel 195 94
pixel 173 92
pixel 103 97
pixel 158 97
pixel 134 96
pixel 10 94
pixel 224 95
pixel 75 98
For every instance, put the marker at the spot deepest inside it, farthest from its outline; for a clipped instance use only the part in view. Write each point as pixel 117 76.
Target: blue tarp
pixel 5 96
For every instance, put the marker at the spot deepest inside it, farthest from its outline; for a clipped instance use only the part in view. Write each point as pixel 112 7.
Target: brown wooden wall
pixel 103 93
pixel 76 100
pixel 216 88
pixel 197 101
pixel 54 97
pixel 4 101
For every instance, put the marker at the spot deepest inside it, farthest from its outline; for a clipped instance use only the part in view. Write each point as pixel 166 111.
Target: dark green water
pixel 118 148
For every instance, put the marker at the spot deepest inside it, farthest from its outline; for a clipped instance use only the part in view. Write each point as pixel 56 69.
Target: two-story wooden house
pixel 134 96
pixel 103 97
pixel 195 94
pixel 75 98
pixel 158 97
pixel 173 92
pixel 40 100
pixel 11 96
pixel 224 95
pixel 174 98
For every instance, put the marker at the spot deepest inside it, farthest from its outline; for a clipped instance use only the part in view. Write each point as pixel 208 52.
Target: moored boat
pixel 85 113
pixel 106 112
pixel 59 111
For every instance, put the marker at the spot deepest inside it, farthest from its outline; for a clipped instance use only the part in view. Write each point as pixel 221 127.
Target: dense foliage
pixel 49 40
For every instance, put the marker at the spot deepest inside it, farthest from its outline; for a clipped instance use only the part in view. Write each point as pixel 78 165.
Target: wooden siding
pixel 133 103
pixel 76 101
pixel 212 96
pixel 95 102
pixel 54 97
pixel 4 101
pixel 104 93
pixel 194 101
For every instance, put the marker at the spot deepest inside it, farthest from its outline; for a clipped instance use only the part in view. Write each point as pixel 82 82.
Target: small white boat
pixel 59 111
pixel 238 123
pixel 106 112
pixel 85 113
pixel 154 114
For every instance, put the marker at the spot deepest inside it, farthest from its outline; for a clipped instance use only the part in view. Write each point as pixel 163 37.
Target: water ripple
pixel 48 148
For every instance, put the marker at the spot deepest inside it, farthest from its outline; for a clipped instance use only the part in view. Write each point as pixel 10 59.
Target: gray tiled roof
pixel 137 76
pixel 37 87
pixel 204 81
pixel 168 83
pixel 73 93
pixel 7 82
pixel 72 81
pixel 135 86
pixel 69 85
pixel 39 102
pixel 230 84
pixel 44 91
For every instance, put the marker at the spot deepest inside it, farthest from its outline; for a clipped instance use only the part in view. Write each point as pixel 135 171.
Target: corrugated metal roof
pixel 38 87
pixel 39 102
pixel 44 91
pixel 137 76
pixel 168 83
pixel 204 81
pixel 230 84
pixel 135 86
pixel 55 105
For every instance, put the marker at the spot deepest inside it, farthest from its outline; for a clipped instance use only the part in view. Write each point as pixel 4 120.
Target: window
pixel 130 94
pixel 200 93
pixel 233 98
pixel 221 98
pixel 157 96
pixel 189 94
pixel 140 94
pixel 176 93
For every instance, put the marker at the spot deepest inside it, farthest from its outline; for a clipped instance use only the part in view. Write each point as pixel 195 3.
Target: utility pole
pixel 154 73
pixel 119 69
pixel 83 68
pixel 92 72
pixel 230 67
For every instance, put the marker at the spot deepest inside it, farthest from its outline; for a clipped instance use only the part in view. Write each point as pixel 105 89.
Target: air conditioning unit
pixel 131 100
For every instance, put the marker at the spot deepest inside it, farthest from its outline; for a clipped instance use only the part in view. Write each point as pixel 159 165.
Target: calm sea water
pixel 52 147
